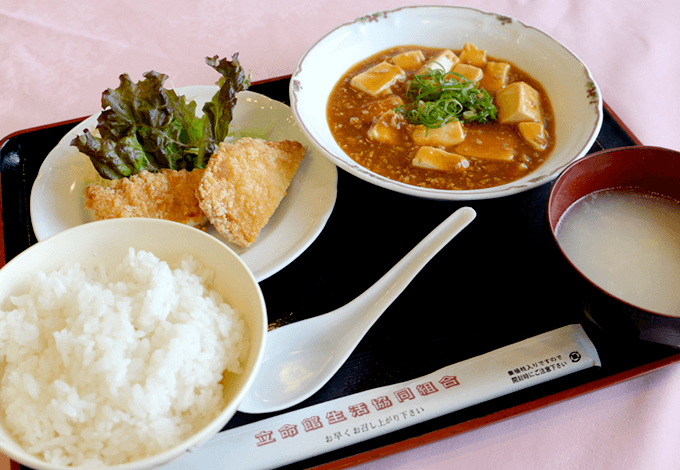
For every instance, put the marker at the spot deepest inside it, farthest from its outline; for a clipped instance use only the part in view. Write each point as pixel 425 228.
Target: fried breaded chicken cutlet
pixel 241 187
pixel 243 184
pixel 168 194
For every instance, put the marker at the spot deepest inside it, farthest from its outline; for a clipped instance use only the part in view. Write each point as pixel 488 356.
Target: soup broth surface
pixel 628 243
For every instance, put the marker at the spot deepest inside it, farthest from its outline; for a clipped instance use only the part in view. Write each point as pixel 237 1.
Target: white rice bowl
pixel 120 358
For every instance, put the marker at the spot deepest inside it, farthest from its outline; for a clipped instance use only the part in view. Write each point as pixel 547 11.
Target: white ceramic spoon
pixel 301 357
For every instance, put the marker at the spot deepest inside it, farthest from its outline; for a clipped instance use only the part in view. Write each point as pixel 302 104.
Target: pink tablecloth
pixel 57 57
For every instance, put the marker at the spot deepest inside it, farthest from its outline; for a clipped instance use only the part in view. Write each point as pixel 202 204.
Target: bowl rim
pixel 506 189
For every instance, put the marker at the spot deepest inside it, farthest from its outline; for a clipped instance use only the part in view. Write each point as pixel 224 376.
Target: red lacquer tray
pixel 478 294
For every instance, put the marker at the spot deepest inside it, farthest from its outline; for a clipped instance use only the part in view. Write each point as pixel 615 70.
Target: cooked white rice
pixel 112 365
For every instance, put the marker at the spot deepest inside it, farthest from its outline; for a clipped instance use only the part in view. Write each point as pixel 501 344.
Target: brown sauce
pixel 394 161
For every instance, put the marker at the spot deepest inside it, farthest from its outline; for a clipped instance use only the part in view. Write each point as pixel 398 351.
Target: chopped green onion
pixel 439 97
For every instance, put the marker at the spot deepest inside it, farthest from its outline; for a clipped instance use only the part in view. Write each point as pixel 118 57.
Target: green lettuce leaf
pixel 144 126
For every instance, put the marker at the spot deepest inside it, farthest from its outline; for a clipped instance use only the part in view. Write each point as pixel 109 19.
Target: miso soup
pixel 628 243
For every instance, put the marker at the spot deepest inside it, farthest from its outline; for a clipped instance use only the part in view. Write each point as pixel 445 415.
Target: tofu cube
pixel 499 147
pixel 495 76
pixel 472 73
pixel 371 111
pixel 378 80
pixel 451 133
pixel 445 61
pixel 390 128
pixel 535 134
pixel 518 102
pixel 409 60
pixel 473 56
pixel 432 158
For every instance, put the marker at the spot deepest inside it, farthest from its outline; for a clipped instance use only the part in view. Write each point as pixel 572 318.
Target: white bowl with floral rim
pixel 574 94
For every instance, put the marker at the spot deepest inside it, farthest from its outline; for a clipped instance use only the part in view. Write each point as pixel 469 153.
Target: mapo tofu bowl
pixel 375 96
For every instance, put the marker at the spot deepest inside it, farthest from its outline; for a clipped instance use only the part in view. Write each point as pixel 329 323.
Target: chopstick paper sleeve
pixel 322 428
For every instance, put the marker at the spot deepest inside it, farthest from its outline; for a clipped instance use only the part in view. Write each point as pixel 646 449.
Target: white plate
pixel 57 200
